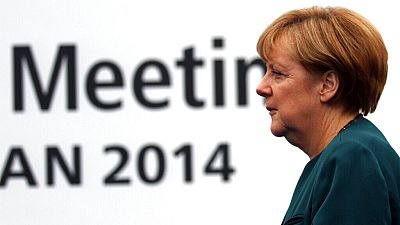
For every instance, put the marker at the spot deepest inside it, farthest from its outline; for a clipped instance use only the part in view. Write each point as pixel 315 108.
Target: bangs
pixel 271 38
pixel 264 46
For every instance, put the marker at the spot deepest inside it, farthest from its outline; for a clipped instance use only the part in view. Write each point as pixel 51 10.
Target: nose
pixel 264 87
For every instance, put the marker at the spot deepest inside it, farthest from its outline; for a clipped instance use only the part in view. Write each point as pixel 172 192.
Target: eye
pixel 277 74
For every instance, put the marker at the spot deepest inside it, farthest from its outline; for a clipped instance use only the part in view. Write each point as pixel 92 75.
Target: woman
pixel 326 68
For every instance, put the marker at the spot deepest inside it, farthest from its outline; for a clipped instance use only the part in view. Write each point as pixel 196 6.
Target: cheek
pixel 289 110
pixel 295 105
pixel 288 100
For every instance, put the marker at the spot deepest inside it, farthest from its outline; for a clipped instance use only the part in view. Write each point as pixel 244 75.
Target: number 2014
pixel 218 163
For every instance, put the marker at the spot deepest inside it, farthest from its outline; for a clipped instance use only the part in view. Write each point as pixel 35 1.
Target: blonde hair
pixel 334 38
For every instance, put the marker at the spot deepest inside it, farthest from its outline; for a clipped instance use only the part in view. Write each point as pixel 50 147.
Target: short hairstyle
pixel 334 38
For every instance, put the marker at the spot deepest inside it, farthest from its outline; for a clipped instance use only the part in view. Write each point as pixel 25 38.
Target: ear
pixel 330 85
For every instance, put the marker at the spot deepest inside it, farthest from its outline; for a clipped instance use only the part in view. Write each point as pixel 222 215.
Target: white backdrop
pixel 128 34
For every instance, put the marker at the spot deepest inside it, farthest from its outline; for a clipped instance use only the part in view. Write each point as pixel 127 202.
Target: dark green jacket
pixel 355 180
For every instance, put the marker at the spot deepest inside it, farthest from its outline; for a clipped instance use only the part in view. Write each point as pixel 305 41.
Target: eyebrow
pixel 276 64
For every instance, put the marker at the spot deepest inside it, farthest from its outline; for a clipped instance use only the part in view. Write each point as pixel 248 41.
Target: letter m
pixel 23 56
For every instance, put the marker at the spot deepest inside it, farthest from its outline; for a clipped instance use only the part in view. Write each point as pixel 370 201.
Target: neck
pixel 322 131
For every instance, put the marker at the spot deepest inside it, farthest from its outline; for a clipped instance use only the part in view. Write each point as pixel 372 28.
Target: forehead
pixel 279 55
pixel 280 58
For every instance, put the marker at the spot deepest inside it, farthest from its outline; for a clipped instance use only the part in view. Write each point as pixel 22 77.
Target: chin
pixel 278 132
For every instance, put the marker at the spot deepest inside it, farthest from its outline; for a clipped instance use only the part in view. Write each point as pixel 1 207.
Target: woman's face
pixel 291 92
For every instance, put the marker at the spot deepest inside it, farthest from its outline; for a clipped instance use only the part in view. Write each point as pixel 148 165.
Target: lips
pixel 271 110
